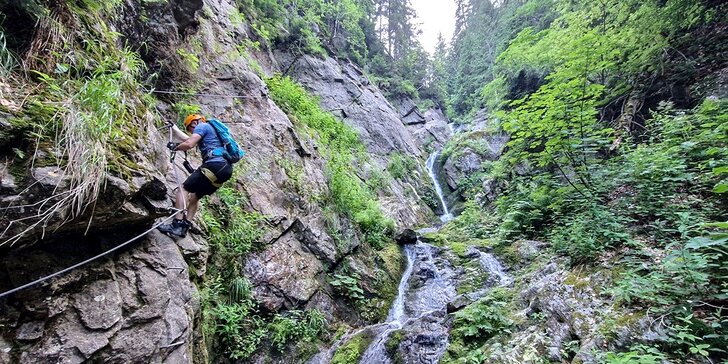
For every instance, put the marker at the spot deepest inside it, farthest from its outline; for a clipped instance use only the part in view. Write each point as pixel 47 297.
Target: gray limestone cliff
pixel 142 303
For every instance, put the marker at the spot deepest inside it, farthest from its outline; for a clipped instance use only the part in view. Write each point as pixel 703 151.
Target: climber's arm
pixel 179 134
pixel 189 143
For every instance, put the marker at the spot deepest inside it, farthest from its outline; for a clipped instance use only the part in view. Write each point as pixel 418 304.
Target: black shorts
pixel 200 185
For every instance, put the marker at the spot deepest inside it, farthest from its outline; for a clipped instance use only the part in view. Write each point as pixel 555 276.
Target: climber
pixel 213 172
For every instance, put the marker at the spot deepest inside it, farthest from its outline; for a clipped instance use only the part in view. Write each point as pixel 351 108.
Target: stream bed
pixel 417 325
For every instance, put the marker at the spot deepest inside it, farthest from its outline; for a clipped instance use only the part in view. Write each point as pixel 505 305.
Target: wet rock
pixel 473 253
pixel 424 340
pixel 432 284
pixel 406 236
pixel 30 331
pixel 185 13
pixel 458 303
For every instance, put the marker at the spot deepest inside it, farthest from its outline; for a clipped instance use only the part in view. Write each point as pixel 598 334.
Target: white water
pixel 396 318
pixel 426 300
pixel 446 216
pixel 493 267
pixel 396 313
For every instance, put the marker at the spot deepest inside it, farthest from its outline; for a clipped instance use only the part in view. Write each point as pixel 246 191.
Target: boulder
pixel 406 236
pixel 458 303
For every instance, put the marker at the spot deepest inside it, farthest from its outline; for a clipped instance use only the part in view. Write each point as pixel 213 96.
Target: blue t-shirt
pixel 208 143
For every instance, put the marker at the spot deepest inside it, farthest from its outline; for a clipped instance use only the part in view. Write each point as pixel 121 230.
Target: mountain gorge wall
pixel 142 304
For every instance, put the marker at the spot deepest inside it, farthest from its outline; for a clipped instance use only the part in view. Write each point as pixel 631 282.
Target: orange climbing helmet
pixel 192 117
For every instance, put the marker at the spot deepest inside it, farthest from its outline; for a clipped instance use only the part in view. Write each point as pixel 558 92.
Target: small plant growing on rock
pixel 401 165
pixel 348 286
pixel 296 325
pixel 190 59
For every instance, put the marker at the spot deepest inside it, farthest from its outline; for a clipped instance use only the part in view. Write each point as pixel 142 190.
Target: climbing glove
pixel 172 146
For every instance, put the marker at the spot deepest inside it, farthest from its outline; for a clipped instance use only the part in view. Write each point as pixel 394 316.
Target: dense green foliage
pixel 401 165
pixel 83 114
pixel 232 322
pixel 482 32
pixel 641 191
pixel 477 323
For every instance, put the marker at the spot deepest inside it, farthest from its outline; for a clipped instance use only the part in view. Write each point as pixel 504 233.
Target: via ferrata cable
pixel 89 260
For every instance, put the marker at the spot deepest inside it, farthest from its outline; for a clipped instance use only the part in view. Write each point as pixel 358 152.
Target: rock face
pixel 563 315
pixel 346 91
pixel 474 145
pixel 406 236
pixel 141 305
pixel 137 306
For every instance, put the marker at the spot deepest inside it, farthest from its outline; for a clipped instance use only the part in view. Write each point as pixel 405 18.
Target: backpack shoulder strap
pixel 216 132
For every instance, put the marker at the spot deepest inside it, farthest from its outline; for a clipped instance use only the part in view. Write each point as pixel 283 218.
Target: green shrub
pixel 474 222
pixel 229 227
pixel 190 59
pixel 401 165
pixel 588 233
pixel 476 324
pixel 637 355
pixel 377 229
pixel 529 206
pixel 485 318
pixel 239 328
pixel 89 111
pixel 348 285
pixel 296 325
pixel 341 146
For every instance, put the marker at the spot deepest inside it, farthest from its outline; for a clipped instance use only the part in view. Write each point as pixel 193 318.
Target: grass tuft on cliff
pixel 343 149
pixel 83 99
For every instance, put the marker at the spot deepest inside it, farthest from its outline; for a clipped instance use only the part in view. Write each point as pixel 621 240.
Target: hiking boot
pixel 176 228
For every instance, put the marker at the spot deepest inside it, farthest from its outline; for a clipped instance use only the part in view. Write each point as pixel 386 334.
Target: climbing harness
pixel 211 176
pixel 89 260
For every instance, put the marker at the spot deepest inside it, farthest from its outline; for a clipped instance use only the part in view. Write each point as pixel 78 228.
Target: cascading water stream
pixel 419 309
pixel 493 266
pixel 446 216
pixel 396 317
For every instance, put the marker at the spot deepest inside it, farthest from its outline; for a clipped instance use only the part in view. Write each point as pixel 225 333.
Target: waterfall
pixel 396 313
pixel 446 216
pixel 396 317
pixel 428 283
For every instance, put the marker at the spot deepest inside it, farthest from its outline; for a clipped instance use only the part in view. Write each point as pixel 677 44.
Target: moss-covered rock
pixel 392 344
pixel 351 351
